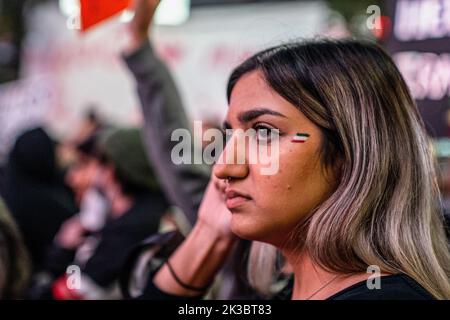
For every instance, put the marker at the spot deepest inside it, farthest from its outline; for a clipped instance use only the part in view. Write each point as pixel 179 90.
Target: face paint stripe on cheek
pixel 300 138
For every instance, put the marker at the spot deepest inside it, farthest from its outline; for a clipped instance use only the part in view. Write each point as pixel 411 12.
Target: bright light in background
pixel 173 12
pixel 170 12
pixel 69 7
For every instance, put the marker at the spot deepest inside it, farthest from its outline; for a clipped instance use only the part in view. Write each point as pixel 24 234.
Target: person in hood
pixel 136 206
pixel 35 192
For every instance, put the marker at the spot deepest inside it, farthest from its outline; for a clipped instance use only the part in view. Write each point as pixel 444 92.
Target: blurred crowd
pixel 84 202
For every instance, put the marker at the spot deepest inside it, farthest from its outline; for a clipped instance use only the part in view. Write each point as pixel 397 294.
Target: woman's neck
pixel 314 282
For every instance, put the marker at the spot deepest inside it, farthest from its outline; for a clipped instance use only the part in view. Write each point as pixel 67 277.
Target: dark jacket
pixel 121 235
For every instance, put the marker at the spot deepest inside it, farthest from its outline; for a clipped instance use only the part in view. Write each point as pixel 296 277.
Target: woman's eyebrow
pixel 250 115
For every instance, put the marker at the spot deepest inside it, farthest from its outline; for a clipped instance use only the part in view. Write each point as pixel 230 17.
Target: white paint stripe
pixel 298 138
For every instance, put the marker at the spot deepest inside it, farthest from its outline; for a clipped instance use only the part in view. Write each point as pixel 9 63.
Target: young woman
pixel 359 191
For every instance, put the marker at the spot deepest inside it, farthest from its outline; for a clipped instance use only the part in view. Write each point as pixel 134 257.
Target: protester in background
pixel 136 207
pixel 35 193
pixel 78 145
pixel 84 166
pixel 81 176
pixel 14 259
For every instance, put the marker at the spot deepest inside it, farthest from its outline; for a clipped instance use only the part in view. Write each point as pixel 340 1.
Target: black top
pixel 393 287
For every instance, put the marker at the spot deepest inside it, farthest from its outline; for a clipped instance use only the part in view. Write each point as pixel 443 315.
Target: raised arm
pixel 163 113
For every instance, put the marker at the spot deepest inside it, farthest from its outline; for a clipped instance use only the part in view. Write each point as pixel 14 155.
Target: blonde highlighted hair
pixel 386 208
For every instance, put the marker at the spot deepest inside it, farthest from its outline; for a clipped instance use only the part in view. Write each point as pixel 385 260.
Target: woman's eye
pixel 266 134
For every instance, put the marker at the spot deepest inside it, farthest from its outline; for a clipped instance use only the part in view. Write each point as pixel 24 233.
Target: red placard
pixel 96 11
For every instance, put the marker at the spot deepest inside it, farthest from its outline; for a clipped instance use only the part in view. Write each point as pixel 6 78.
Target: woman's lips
pixel 234 199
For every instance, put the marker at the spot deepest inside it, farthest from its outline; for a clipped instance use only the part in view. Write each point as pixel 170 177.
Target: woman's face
pixel 272 205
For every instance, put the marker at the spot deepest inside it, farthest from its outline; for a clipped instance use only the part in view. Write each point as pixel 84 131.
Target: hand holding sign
pixel 138 27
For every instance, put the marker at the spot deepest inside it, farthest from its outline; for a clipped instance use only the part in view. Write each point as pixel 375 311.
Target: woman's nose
pixel 232 162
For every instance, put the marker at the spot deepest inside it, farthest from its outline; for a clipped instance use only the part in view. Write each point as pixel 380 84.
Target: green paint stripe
pixel 302 135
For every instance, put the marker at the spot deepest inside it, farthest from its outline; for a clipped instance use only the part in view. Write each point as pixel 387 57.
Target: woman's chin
pixel 245 229
pixel 262 231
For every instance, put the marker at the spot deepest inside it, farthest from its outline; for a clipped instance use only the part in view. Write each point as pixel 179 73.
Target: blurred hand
pixel 138 28
pixel 213 211
pixel 71 234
